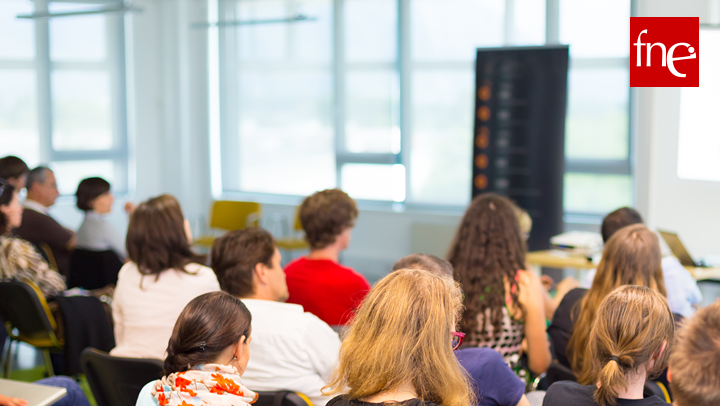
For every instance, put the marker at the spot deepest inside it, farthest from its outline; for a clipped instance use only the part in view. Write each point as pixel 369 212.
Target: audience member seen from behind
pixel 399 347
pixel 37 226
pixel 504 304
pixel 206 356
pixel 629 341
pixel 630 257
pixel 494 382
pixel 18 259
pixel 293 350
pixel 14 170
pixel 694 371
pixel 318 282
pixel 683 293
pixel 163 275
pixel 96 233
pixel 74 396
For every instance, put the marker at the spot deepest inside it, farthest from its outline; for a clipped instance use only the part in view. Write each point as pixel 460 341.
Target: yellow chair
pixel 228 215
pixel 293 243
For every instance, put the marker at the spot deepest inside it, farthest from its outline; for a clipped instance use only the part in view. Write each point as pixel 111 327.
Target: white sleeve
pixel 323 346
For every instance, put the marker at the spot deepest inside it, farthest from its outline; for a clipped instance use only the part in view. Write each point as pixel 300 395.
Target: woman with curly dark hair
pixel 504 304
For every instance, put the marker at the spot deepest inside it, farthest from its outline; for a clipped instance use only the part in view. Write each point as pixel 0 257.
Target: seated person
pixel 630 257
pixel 206 356
pixel 694 371
pixel 18 258
pixel 14 170
pixel 318 282
pixel 73 397
pixel 163 275
pixel 682 290
pixel 37 226
pixel 629 341
pixel 494 382
pixel 293 350
pixel 96 233
pixel 399 346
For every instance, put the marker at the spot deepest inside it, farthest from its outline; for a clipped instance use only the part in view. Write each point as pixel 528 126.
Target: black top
pixel 571 393
pixel 562 323
pixel 343 401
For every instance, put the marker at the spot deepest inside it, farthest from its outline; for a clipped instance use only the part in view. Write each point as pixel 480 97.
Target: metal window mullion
pixel 44 85
pixel 509 26
pixel 7 64
pixel 552 22
pixel 339 84
pixel 632 134
pixel 405 75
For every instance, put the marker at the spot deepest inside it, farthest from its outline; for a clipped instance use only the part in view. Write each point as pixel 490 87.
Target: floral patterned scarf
pixel 204 385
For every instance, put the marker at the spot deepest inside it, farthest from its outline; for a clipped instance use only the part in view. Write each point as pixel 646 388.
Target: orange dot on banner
pixel 484 93
pixel 484 113
pixel 481 181
pixel 481 161
pixel 483 137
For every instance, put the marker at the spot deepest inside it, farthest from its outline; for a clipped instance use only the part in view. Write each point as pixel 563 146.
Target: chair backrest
pixel 93 269
pixel 231 215
pixel 282 398
pixel 558 372
pixel 117 381
pixel 24 307
pixel 298 224
pixel 47 253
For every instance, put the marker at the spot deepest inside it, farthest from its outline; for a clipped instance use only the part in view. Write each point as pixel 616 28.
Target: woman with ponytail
pixel 206 355
pixel 629 342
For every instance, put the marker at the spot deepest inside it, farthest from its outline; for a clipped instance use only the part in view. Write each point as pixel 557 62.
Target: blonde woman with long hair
pixel 399 347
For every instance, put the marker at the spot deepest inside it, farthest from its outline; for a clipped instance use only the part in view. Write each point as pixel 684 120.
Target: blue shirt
pixel 495 383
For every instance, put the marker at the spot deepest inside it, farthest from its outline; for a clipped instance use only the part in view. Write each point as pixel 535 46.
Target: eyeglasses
pixel 457 339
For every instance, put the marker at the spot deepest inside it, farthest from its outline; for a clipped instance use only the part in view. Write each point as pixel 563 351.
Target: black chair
pixel 28 319
pixel 558 372
pixel 93 269
pixel 117 381
pixel 282 398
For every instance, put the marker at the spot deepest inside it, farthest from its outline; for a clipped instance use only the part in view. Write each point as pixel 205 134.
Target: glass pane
pixel 374 182
pixel 81 110
pixel 286 142
pixel 528 22
pixel 80 38
pixel 18 115
pixel 595 193
pixel 586 27
pixel 597 120
pixel 372 122
pixel 442 29
pixel 17 37
pixel 371 30
pixel 441 151
pixel 70 173
pixel 298 41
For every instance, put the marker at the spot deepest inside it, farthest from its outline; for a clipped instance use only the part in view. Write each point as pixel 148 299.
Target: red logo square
pixel 664 51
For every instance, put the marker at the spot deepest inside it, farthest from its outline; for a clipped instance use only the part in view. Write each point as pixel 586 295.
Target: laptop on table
pixel 678 249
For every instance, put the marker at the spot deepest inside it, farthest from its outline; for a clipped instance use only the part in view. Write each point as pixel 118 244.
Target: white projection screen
pixel 699 138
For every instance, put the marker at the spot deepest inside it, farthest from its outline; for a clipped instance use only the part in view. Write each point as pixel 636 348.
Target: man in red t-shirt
pixel 317 281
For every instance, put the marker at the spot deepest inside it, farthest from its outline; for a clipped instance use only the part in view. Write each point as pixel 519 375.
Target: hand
pixel 531 290
pixel 129 207
pixel 547 282
pixel 6 401
pixel 188 231
pixel 566 285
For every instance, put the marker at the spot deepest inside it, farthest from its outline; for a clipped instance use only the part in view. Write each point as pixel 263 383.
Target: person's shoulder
pixel 568 392
pixel 479 357
pixel 145 398
pixel 296 265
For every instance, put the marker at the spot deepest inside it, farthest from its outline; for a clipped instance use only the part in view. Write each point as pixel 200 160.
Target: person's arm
pixel 322 345
pixel 6 401
pixel 530 295
pixel 523 401
pixel 72 242
pixel 30 264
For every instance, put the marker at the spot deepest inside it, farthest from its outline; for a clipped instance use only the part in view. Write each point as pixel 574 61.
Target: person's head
pixel 14 170
pixel 402 334
pixel 10 210
pixel 327 218
pixel 156 237
pixel 42 186
pixel 631 336
pixel 428 262
pixel 488 250
pixel 631 257
pixel 694 371
pixel 618 219
pixel 213 328
pixel 94 194
pixel 247 265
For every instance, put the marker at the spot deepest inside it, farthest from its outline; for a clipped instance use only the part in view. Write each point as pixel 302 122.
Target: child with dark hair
pixel 206 355
pixel 96 233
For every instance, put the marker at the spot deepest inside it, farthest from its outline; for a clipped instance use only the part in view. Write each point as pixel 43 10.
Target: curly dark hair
pixel 325 215
pixel 487 248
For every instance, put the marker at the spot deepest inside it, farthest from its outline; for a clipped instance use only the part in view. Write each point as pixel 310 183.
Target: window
pixel 63 98
pixel 376 96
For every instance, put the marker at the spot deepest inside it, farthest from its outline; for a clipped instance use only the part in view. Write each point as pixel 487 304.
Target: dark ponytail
pixel 5 199
pixel 207 326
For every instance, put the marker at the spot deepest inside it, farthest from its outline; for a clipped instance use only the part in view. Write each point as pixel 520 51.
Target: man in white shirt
pixel 291 349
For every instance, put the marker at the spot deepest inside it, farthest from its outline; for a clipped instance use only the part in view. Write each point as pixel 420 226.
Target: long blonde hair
pixel 400 333
pixel 632 324
pixel 631 257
